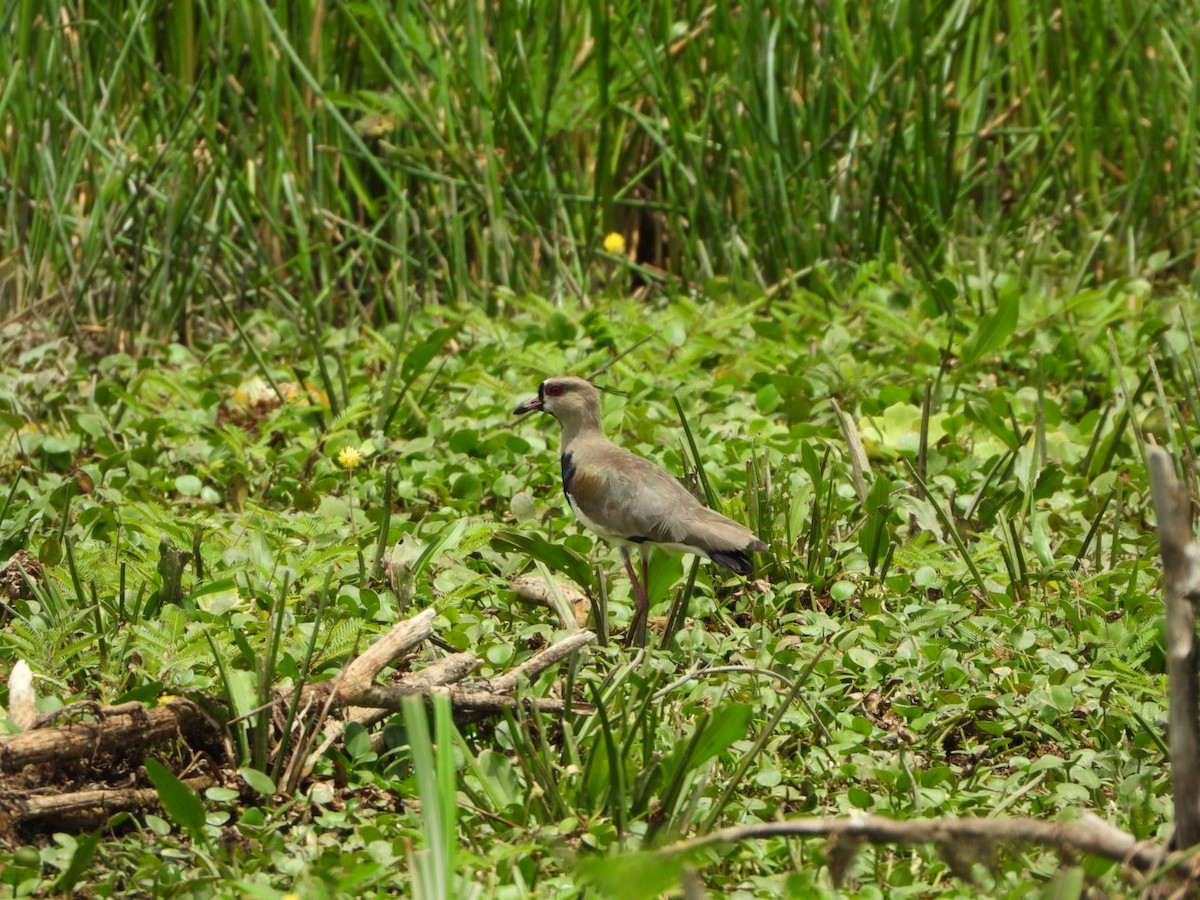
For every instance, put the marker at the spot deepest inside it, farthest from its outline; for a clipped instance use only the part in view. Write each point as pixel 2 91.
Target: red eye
pixel 555 390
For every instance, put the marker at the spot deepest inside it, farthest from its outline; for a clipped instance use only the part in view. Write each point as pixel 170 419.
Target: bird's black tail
pixel 734 560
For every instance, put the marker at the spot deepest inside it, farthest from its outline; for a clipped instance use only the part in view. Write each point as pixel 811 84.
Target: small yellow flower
pixel 614 242
pixel 291 897
pixel 349 457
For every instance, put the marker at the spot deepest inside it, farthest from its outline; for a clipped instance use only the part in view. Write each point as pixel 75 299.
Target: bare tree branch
pixel 361 671
pixel 541 661
pixel 113 733
pixel 1089 835
pixel 106 802
pixel 1181 575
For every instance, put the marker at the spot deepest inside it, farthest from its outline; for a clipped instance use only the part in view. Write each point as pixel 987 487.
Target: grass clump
pixel 378 157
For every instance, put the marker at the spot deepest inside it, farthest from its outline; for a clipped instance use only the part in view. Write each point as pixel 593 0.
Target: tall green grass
pixel 376 155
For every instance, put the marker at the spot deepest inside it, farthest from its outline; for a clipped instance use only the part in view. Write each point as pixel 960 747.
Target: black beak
pixel 528 406
pixel 539 402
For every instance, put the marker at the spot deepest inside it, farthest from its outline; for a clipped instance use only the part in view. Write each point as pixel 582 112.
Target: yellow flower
pixel 614 242
pixel 349 457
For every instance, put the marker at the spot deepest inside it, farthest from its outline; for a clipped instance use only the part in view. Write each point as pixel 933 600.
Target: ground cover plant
pixel 273 281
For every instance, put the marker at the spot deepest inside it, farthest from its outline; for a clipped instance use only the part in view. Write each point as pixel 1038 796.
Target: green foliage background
pixel 237 239
pixel 159 157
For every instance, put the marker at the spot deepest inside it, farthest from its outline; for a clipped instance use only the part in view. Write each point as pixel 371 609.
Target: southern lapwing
pixel 628 500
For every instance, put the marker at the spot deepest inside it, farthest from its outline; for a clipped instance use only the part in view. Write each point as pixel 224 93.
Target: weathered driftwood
pixel 123 732
pixel 88 806
pixel 569 604
pixel 119 733
pixel 360 673
pixel 968 840
pixel 1181 588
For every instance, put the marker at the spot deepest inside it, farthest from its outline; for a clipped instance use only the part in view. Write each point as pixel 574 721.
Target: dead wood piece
pixel 44 806
pixel 860 466
pixel 1089 835
pixel 126 729
pixel 465 700
pixel 361 671
pixel 541 661
pixel 1181 575
pixel 452 668
pixel 22 701
pixel 391 696
pixel 112 734
pixel 569 604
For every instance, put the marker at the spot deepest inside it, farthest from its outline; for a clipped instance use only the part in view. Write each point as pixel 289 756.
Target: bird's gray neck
pixel 586 427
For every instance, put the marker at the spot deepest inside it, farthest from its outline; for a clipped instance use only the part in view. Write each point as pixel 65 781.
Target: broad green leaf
pixel 258 781
pixel 179 801
pixel 218 597
pixel 632 876
pixel 420 356
pixel 242 689
pixel 81 862
pixel 556 556
pixel 357 742
pixel 1000 426
pixel 728 725
pixel 143 693
pixel 188 485
pixel 995 329
pixel 898 430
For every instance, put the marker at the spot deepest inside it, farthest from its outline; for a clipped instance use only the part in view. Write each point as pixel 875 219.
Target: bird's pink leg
pixel 636 636
pixel 645 576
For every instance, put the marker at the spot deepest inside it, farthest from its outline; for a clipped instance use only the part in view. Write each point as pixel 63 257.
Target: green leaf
pixel 189 485
pixel 862 658
pixel 993 421
pixel 1062 697
pixel 81 862
pixel 419 358
pixel 555 556
pixel 729 725
pixel 258 781
pixel 218 598
pixel 179 801
pixel 995 329
pixel 841 591
pixel 144 693
pixel 241 687
pixel 859 798
pixel 768 399
pixel 632 876
pixel 357 742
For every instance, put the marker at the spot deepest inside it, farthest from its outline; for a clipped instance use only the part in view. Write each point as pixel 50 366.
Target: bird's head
pixel 569 399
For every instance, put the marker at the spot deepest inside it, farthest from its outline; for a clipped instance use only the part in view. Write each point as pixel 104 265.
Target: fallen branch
pixel 90 804
pixel 569 604
pixel 541 661
pixel 113 739
pixel 1090 835
pixel 117 732
pixel 361 671
pixel 1181 587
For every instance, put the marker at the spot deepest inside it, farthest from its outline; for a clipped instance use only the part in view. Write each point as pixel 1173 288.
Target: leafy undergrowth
pixel 980 635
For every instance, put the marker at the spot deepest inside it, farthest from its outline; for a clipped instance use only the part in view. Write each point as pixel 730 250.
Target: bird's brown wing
pixel 625 497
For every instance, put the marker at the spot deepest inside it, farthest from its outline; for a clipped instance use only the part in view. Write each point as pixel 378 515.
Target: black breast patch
pixel 568 472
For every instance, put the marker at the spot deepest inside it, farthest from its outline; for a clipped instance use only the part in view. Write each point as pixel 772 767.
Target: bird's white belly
pixel 623 540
